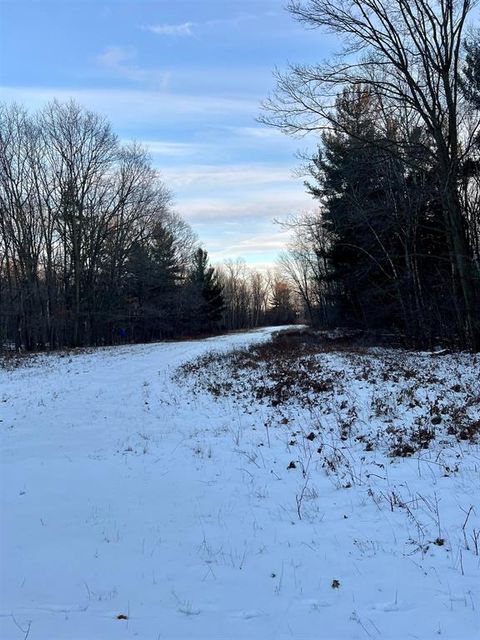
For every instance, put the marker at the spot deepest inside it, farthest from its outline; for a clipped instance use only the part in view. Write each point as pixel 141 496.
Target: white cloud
pixel 184 29
pixel 121 62
pixel 260 132
pixel 189 28
pixel 175 149
pixel 127 107
pixel 259 245
pixel 221 176
pixel 266 205
pixel 114 57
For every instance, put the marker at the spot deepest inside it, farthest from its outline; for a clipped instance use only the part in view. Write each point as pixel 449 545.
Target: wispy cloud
pixel 259 132
pixel 175 30
pixel 189 28
pixel 127 107
pixel 261 205
pixel 121 62
pixel 228 176
pixel 175 149
pixel 260 244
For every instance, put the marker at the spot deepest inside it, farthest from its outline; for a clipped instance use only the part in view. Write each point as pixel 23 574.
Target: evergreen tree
pixel 387 249
pixel 207 293
pixel 282 309
pixel 351 182
pixel 154 285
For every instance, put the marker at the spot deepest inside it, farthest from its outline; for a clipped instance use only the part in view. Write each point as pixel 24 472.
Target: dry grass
pixel 428 398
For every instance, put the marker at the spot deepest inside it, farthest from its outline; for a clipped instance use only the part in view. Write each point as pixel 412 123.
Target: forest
pixel 394 246
pixel 92 251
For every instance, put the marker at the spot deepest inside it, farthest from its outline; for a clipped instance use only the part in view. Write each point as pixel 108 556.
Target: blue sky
pixel 185 77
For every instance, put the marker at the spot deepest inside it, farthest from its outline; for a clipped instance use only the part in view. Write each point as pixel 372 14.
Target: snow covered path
pixel 122 494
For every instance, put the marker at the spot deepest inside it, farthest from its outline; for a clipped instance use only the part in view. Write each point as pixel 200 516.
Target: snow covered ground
pixel 195 505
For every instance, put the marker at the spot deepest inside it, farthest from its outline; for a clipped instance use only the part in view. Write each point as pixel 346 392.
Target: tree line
pixel 394 246
pixel 256 298
pixel 91 250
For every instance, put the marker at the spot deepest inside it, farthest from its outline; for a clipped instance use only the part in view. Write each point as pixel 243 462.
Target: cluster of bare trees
pixel 90 251
pixel 255 298
pixel 305 267
pixel 397 169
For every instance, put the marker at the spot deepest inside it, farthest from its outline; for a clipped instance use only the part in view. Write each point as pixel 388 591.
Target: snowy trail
pixel 102 499
pixel 122 494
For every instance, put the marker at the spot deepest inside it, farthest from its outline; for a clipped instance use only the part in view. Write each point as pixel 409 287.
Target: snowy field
pixel 336 497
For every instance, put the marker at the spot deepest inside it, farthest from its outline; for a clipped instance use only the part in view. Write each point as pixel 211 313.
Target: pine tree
pixel 154 285
pixel 351 183
pixel 207 292
pixel 387 253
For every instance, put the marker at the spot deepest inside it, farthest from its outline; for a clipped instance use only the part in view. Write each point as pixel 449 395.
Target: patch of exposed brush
pixel 274 373
pixel 10 360
pixel 394 399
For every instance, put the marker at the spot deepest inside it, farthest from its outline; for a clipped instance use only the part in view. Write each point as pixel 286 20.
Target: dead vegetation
pixel 397 400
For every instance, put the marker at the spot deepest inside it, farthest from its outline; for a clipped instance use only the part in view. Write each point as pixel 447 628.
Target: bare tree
pixel 304 264
pixel 247 294
pixel 81 148
pixel 20 226
pixel 233 275
pixel 259 288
